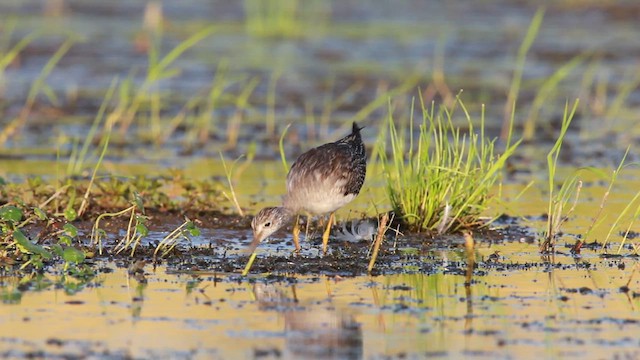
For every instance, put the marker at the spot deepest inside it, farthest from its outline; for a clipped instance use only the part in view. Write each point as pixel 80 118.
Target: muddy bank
pixel 220 245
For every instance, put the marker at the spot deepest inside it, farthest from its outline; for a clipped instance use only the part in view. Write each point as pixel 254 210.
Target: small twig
pixel 228 173
pixel 85 199
pixel 573 206
pixel 126 240
pixel 169 239
pixel 471 256
pixel 95 238
pixel 283 156
pixel 54 196
pixel 382 229
pixel 635 268
pixel 445 219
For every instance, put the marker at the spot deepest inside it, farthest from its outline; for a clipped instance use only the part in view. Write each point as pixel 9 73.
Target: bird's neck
pixel 285 212
pixel 289 206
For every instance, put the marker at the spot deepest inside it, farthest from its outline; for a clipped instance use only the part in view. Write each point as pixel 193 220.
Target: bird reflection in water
pixel 316 330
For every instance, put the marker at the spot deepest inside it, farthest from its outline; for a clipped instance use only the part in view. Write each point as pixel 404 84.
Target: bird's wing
pixel 329 163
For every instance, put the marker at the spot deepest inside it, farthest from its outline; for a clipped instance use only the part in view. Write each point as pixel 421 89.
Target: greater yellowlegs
pixel 321 181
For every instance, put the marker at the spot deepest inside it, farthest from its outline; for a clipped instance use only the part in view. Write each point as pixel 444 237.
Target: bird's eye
pixel 267 224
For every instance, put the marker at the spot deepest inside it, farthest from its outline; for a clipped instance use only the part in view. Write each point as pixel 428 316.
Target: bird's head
pixel 266 222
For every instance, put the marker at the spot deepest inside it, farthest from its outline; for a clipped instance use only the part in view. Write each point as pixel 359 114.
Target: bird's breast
pixel 321 197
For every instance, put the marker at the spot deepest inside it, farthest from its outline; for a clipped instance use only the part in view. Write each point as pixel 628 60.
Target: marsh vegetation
pixel 503 144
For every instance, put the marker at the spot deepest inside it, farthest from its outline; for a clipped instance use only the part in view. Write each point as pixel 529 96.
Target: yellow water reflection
pixel 548 312
pixel 570 308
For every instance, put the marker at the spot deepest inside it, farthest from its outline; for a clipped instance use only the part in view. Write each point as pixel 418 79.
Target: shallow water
pixel 554 312
pixel 360 42
pixel 519 304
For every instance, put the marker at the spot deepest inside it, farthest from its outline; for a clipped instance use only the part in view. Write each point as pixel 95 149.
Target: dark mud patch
pixel 221 247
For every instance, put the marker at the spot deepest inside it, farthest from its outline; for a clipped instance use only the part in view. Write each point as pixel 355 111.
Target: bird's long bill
pixel 253 246
pixel 251 249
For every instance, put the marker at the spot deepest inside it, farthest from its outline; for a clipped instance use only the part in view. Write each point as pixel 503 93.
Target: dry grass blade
pixel 229 172
pixel 97 233
pixel 469 245
pixel 382 229
pixel 170 241
pixel 38 86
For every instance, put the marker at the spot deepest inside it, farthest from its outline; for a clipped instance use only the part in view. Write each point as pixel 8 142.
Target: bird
pixel 320 181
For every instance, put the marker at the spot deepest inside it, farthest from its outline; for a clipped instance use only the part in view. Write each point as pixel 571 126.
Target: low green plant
pixel 27 252
pixel 113 193
pixel 78 158
pixel 441 181
pixel 558 208
pixel 12 236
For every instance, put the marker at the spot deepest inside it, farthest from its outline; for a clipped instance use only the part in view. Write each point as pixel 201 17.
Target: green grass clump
pixel 442 180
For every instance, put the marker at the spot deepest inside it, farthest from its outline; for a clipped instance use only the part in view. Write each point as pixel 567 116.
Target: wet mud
pixel 221 247
pixel 422 298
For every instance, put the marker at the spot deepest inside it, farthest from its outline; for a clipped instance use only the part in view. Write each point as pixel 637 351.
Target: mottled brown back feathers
pixel 343 161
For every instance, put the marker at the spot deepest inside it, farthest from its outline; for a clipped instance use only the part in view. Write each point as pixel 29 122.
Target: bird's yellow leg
pixel 296 234
pixel 325 236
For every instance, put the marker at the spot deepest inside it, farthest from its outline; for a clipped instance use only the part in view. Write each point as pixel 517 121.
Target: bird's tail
pixel 356 129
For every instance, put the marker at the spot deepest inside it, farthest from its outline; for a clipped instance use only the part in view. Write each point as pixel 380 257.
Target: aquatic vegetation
pixel 440 182
pixel 148 97
pixel 558 211
pixel 229 172
pixel 627 214
pixel 143 109
pixel 46 213
pixel 514 89
pixel 80 158
pixel 319 66
pixel 564 195
pixel 38 87
pixel 31 252
pixel 547 89
pixel 10 54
